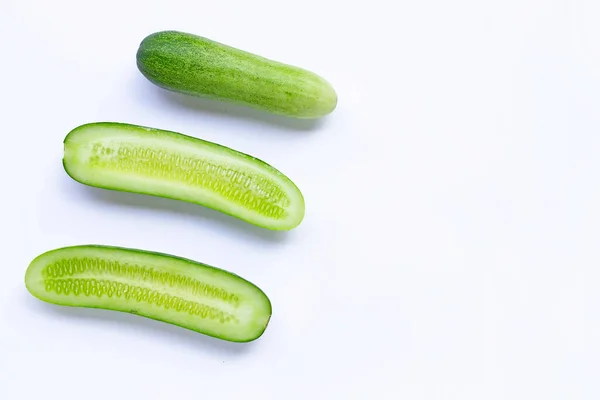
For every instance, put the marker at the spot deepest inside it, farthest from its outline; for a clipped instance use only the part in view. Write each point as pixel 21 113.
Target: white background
pixel 450 245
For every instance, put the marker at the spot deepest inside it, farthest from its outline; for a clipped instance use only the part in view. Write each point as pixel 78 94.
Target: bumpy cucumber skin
pixel 197 66
pixel 276 225
pixel 33 278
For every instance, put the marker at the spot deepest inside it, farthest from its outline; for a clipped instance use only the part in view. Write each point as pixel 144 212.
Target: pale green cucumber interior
pixel 168 164
pixel 158 286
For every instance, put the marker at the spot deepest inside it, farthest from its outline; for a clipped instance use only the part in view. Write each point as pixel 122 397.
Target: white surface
pixel 450 246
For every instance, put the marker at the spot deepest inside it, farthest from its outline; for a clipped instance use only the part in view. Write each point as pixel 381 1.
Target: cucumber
pixel 143 160
pixel 159 286
pixel 197 66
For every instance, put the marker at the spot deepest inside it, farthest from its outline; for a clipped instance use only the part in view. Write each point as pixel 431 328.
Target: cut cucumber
pixel 197 66
pixel 161 163
pixel 159 286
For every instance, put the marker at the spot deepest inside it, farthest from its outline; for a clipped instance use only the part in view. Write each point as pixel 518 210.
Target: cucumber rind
pixel 253 299
pixel 295 212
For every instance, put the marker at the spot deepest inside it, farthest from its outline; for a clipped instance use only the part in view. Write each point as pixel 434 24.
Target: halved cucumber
pixel 162 163
pixel 159 286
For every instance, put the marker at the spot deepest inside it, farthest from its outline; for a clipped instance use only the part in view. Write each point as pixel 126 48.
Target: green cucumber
pixel 159 286
pixel 143 160
pixel 197 66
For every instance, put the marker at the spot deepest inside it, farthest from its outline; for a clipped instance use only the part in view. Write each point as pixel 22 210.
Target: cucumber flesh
pixel 158 286
pixel 197 66
pixel 137 159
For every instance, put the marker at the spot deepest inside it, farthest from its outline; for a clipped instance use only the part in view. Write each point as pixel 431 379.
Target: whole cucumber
pixel 197 66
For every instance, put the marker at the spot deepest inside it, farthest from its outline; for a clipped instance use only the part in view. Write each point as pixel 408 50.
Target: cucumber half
pixel 137 159
pixel 158 286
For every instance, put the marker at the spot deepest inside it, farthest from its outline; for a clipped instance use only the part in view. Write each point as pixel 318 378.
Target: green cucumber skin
pixel 253 298
pixel 196 66
pixel 296 211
